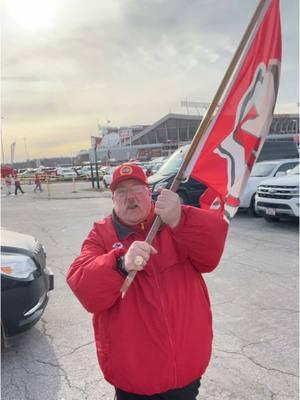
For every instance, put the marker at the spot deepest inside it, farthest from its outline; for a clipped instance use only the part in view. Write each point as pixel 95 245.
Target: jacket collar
pixel 124 230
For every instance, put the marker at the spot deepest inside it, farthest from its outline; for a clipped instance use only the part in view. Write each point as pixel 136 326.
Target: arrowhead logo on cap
pixel 126 170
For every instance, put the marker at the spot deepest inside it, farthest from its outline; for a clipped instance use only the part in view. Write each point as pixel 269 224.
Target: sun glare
pixel 32 14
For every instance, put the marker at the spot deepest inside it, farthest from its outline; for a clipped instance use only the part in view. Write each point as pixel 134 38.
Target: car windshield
pixel 172 165
pixel 261 169
pixel 294 171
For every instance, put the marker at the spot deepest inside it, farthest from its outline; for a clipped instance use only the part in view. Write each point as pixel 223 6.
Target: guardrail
pixel 48 180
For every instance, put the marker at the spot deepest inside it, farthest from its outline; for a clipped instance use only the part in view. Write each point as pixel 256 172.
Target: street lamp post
pixel 96 166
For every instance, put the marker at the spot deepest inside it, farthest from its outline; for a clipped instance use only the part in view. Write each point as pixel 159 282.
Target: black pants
pixel 188 392
pixel 18 187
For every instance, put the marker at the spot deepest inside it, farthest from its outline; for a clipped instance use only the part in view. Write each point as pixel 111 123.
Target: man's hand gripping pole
pixel 130 277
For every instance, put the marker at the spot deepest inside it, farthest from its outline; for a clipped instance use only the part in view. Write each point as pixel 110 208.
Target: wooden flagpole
pixel 202 128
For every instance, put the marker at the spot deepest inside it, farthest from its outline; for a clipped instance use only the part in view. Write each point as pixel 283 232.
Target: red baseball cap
pixel 128 171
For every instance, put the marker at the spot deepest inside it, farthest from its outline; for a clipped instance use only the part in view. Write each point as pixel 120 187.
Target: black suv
pixel 25 282
pixel 189 191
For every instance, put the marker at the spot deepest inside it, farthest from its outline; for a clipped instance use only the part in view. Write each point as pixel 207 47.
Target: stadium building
pixel 174 130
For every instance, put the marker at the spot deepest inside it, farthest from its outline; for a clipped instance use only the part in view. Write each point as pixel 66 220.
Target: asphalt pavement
pixel 254 295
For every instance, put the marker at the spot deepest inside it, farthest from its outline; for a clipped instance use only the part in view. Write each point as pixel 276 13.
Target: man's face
pixel 132 201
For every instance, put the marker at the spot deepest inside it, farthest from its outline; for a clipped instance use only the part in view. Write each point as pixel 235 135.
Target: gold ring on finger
pixel 139 261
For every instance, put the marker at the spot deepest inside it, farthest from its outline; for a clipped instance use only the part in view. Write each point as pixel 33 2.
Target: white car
pixel 29 172
pixel 86 172
pixel 66 172
pixel 263 170
pixel 279 197
pixel 107 177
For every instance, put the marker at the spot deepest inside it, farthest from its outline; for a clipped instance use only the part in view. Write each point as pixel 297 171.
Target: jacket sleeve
pixel 93 276
pixel 200 235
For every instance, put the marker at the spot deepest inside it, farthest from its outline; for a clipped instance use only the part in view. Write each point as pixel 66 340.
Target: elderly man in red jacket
pixel 155 343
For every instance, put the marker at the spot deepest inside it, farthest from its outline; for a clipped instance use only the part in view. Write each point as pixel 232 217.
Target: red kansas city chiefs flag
pixel 227 151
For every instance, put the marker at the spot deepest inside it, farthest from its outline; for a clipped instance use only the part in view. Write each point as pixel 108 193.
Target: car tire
pixel 269 218
pixel 251 211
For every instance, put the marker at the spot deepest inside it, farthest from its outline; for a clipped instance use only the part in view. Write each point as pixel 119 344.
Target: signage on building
pixel 125 133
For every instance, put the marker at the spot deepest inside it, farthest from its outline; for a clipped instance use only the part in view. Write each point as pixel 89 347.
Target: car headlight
pixel 17 265
pixel 160 185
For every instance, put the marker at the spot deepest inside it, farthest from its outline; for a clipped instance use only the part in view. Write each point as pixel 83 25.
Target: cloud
pixel 130 61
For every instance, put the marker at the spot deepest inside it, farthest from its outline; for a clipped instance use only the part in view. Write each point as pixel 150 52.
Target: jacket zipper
pixel 171 343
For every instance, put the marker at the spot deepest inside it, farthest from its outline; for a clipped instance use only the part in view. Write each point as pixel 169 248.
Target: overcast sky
pixel 68 65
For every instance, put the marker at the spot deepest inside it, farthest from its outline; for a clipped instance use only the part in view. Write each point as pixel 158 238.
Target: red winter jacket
pixel 159 336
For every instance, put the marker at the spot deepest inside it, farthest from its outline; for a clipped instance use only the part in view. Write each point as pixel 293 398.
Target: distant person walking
pixel 8 183
pixel 38 183
pixel 18 185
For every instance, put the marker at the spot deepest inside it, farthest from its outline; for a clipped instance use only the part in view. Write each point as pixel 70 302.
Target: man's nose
pixel 130 194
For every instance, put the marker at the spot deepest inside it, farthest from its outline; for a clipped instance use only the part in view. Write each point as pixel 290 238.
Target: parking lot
pixel 254 294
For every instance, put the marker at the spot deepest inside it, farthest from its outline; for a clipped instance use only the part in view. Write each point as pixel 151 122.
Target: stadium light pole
pixel 96 166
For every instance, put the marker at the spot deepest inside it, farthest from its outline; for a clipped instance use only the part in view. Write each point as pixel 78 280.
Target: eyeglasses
pixel 123 192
